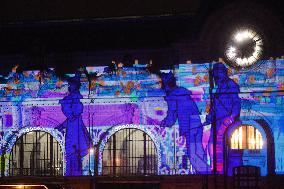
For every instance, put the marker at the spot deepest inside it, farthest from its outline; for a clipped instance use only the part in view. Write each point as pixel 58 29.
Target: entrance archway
pixel 129 151
pixel 36 153
pixel 248 144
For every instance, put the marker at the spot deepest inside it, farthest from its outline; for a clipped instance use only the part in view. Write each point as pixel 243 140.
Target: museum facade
pixel 129 123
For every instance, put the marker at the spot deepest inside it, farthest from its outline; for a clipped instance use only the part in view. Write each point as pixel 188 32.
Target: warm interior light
pixel 22 186
pixel 92 150
pixel 246 137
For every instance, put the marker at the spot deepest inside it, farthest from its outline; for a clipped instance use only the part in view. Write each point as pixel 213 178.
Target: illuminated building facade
pixel 124 115
pixel 124 94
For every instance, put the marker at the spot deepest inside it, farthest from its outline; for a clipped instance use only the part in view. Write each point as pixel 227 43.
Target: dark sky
pixel 34 10
pixel 19 10
pixel 96 25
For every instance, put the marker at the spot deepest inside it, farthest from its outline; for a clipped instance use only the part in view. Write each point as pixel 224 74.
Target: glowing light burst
pixel 245 48
pixel 91 150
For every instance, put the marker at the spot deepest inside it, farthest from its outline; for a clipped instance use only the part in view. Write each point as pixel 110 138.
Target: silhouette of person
pixel 181 107
pixel 225 109
pixel 77 139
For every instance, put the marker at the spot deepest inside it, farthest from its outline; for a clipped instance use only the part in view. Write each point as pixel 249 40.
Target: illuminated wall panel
pixel 134 98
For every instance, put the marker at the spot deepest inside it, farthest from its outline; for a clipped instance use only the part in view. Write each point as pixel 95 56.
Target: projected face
pixel 73 87
pixel 220 76
pixel 168 81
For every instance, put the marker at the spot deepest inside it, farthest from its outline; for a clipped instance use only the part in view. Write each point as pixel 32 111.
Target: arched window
pixel 246 137
pixel 129 152
pixel 36 153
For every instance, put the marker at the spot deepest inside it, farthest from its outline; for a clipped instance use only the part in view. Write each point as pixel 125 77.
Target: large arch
pixel 268 145
pixel 115 129
pixel 16 135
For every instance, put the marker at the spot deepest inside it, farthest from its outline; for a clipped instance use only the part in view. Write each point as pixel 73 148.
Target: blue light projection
pixel 173 109
pixel 77 139
pixel 181 107
pixel 224 111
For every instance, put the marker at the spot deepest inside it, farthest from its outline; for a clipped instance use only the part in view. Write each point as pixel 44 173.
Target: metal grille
pixel 36 154
pixel 246 137
pixel 246 177
pixel 130 152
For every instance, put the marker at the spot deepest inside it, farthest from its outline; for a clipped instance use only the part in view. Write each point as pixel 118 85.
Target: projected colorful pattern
pixel 135 98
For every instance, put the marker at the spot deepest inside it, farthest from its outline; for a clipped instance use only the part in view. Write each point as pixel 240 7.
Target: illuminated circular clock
pixel 244 48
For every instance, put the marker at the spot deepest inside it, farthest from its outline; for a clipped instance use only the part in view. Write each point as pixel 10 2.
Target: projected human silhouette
pixel 77 139
pixel 181 107
pixel 225 109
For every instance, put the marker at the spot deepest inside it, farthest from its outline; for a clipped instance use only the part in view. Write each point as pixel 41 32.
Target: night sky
pixel 37 28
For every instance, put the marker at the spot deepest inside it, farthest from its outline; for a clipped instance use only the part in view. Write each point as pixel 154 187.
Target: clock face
pixel 244 48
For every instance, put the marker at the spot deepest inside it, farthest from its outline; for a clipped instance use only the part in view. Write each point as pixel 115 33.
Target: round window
pixel 244 48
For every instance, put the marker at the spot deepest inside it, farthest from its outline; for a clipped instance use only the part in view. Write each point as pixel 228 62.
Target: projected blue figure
pixel 77 139
pixel 225 109
pixel 181 107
